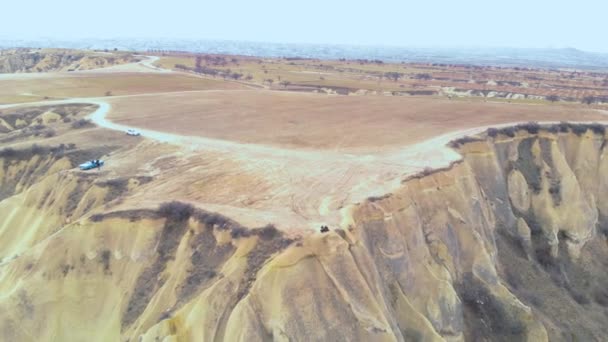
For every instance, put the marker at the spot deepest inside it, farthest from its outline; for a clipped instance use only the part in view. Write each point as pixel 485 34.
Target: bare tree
pixel 197 64
pixel 423 76
pixel 588 100
pixel 395 76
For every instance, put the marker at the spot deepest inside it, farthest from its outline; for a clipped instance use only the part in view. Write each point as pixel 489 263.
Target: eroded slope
pixel 508 244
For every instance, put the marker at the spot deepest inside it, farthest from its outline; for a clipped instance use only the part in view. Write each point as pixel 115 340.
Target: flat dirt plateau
pixel 206 227
pixel 325 122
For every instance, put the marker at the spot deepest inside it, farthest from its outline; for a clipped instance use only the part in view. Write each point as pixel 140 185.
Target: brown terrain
pixel 451 216
pixel 313 121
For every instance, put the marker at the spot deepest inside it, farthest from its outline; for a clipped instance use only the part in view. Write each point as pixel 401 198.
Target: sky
pixel 579 24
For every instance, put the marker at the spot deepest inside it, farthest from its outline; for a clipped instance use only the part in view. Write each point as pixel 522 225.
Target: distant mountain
pixel 541 57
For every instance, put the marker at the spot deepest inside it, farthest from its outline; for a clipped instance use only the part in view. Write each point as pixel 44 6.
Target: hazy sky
pixel 581 24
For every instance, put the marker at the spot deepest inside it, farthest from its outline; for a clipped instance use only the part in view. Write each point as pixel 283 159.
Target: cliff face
pixel 509 244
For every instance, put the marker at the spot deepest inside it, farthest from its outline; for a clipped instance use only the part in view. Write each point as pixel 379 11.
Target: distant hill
pixel 541 57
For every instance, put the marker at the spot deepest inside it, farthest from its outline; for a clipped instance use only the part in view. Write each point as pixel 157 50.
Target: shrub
pixel 96 217
pixel 36 149
pixel 212 219
pixel 601 297
pixel 563 127
pixel 552 128
pixel 578 129
pixel 509 131
pixel 378 198
pixel 49 133
pixel 423 76
pixel 105 259
pixel 531 127
pixel 598 128
pixel 37 127
pixel 116 187
pixel 464 140
pixel 176 211
pixel 579 298
pixel 267 232
pixel 492 132
pixel 588 100
pixel 238 232
pixel 8 152
pixel 82 123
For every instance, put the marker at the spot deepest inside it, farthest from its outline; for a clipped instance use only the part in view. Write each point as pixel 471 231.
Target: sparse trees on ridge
pixel 395 76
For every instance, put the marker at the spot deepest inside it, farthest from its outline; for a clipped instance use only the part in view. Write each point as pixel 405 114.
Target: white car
pixel 133 132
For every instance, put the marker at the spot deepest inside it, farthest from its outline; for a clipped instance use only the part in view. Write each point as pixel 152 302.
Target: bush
pixel 464 140
pixel 268 232
pixel 531 127
pixel 509 131
pixel 212 219
pixel 116 187
pixel 578 129
pixel 588 100
pixel 8 152
pixel 601 297
pixel 239 232
pixel 82 123
pixel 552 129
pixel 106 254
pixel 37 127
pixel 579 298
pixel 97 217
pixel 378 198
pixel 564 127
pixel 36 149
pixel 492 132
pixel 597 128
pixel 176 211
